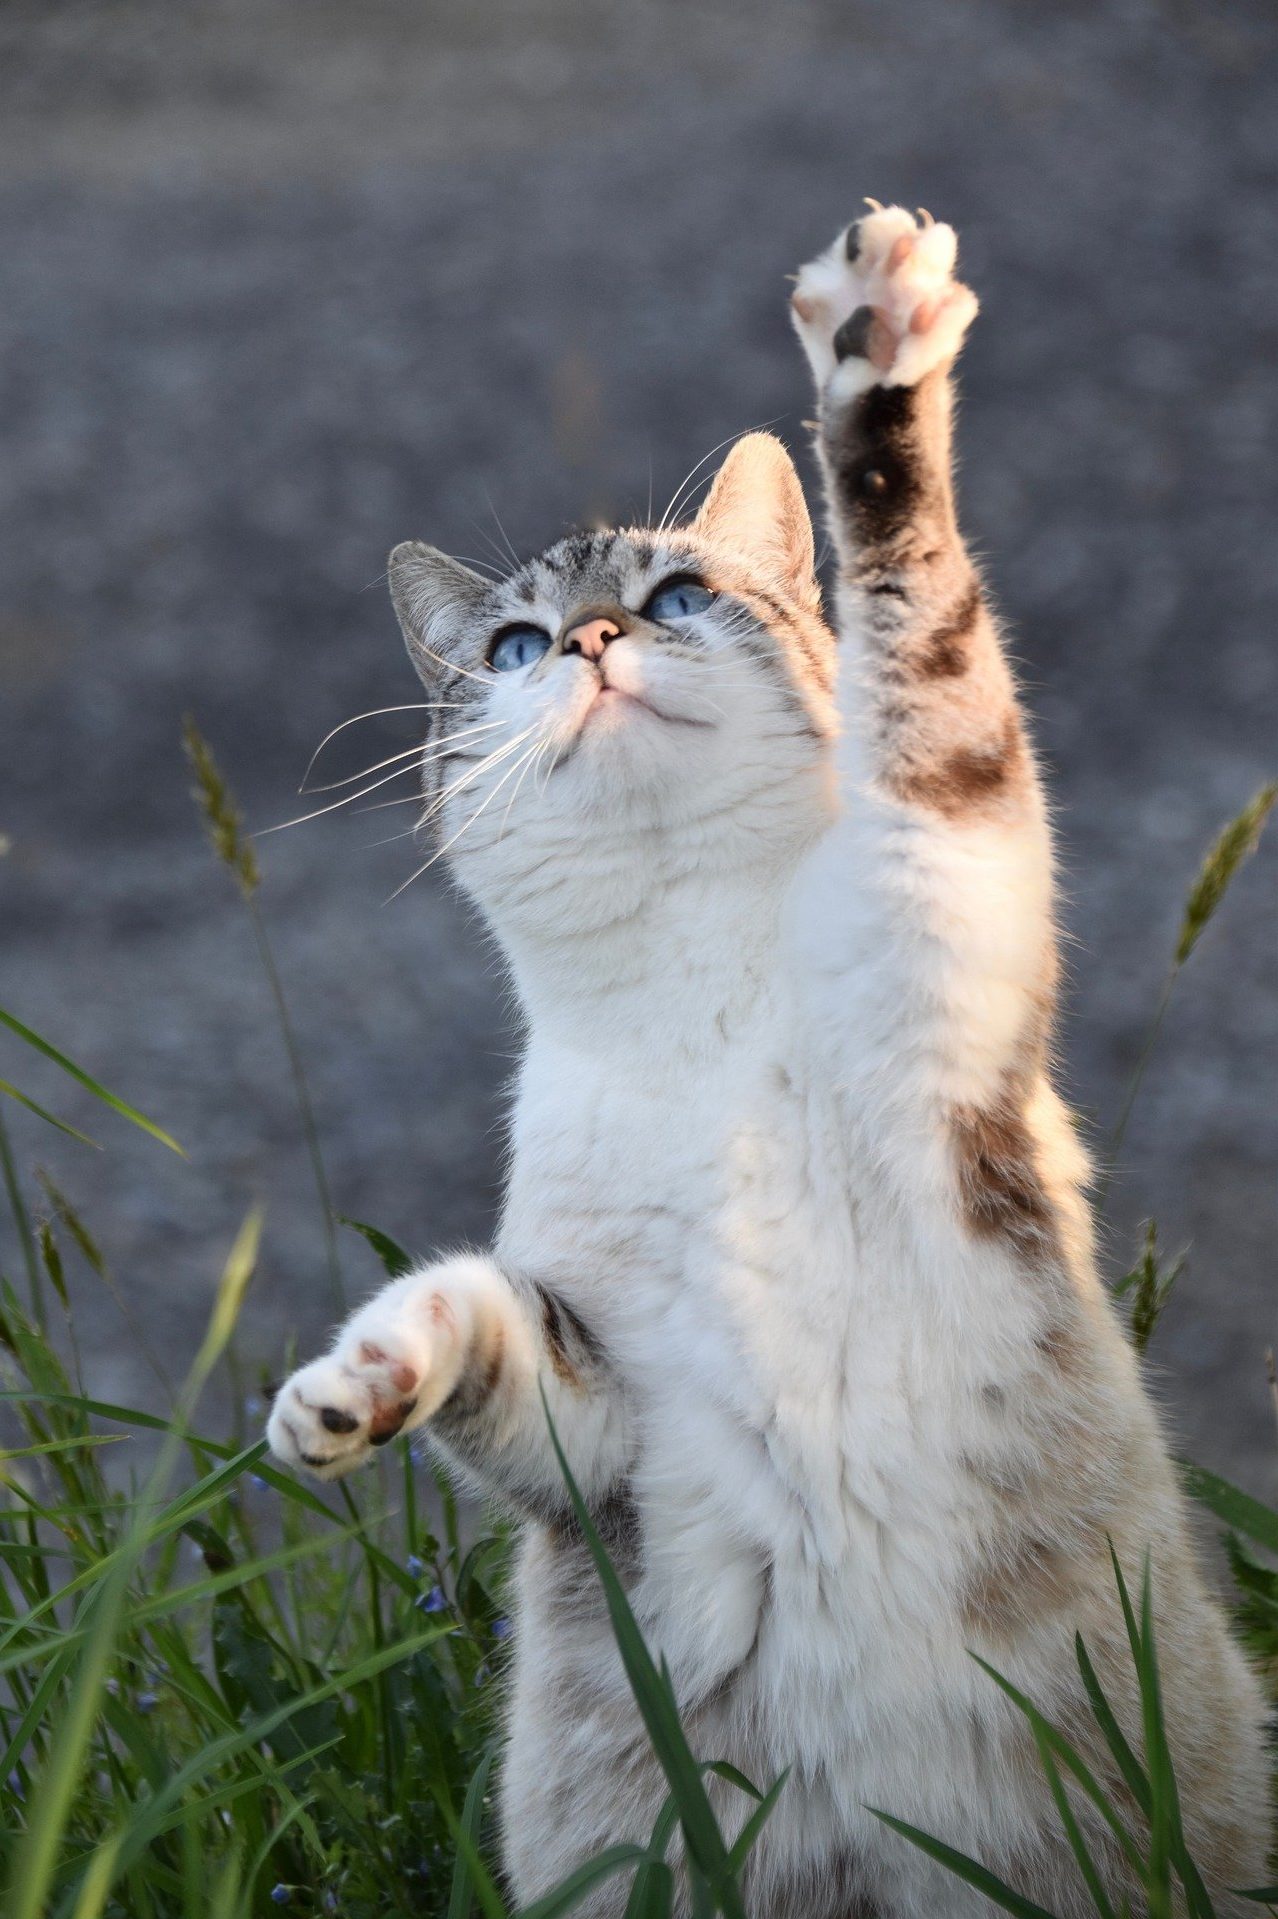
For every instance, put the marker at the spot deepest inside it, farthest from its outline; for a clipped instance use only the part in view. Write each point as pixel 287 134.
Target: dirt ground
pixel 282 285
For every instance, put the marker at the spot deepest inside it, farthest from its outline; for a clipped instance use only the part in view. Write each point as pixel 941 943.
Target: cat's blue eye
pixel 518 646
pixel 678 600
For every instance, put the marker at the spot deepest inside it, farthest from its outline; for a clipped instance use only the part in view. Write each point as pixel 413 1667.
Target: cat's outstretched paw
pixel 881 306
pixel 328 1416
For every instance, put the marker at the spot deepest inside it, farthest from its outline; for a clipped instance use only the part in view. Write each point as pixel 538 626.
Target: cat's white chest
pixel 803 1440
pixel 609 1180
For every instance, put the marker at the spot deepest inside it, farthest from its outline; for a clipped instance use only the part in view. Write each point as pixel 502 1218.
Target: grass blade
pixel 1049 1739
pixel 1128 1764
pixel 42 1112
pixel 90 1084
pixel 603 1866
pixel 392 1255
pixel 1238 1509
pixel 754 1825
pixel 658 1709
pixel 468 1829
pixel 1078 1845
pixel 964 1868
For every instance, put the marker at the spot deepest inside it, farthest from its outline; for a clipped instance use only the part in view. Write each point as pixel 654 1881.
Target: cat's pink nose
pixel 590 637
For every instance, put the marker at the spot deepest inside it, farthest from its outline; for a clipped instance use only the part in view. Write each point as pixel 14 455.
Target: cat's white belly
pixel 796 1383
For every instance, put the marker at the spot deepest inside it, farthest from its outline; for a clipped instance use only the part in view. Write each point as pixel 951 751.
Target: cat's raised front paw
pixel 328 1416
pixel 882 306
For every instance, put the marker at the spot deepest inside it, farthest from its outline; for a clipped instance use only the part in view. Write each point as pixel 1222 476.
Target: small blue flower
pixel 15 1784
pixel 281 1894
pixel 415 1566
pixel 256 1480
pixel 253 1406
pixel 146 1701
pixel 433 1601
pixel 501 1629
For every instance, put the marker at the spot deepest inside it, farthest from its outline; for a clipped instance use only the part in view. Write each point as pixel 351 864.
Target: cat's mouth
pixel 613 702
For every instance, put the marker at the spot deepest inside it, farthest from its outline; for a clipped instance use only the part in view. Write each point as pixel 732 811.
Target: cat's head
pixel 627 702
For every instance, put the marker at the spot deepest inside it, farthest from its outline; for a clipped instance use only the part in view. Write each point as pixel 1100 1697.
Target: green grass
pixel 224 1695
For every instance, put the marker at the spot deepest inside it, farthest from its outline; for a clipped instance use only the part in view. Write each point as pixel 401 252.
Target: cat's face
pixel 628 697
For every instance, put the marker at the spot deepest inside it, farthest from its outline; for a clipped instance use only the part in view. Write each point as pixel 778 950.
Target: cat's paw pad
pixel 882 306
pixel 328 1416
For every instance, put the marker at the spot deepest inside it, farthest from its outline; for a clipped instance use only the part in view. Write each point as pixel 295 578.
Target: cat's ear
pixel 756 506
pixel 437 600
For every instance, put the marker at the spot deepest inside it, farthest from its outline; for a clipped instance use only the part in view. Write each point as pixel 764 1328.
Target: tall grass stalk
pixel 21 1222
pixel 232 846
pixel 1232 847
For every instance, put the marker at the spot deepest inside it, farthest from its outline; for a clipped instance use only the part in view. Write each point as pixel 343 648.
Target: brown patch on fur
pixel 619 1524
pixel 1031 1576
pixel 558 1324
pixel 477 1384
pixel 1000 1187
pixel 494 1361
pixel 969 778
pixel 1051 1491
pixel 944 653
pixel 1058 1343
pixel 833 1888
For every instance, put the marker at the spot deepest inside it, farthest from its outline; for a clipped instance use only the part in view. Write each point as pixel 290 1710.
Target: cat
pixel 795 1236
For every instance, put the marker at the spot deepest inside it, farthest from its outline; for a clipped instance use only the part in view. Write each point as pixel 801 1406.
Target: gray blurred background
pixel 281 284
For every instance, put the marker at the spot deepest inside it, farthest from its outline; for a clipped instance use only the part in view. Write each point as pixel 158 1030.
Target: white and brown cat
pixel 795 1236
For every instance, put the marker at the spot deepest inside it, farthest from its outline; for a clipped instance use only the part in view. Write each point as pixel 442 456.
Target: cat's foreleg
pixel 938 876
pixel 465 1350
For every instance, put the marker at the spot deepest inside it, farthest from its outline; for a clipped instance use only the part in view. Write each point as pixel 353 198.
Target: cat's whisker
pixel 451 666
pixel 417 755
pixel 528 760
pixel 520 767
pixel 554 759
pixel 347 800
pixel 463 829
pixel 391 839
pixel 381 806
pixel 501 529
pixel 331 786
pixel 375 712
pixel 469 559
pixel 676 504
pixel 420 752
pixel 416 799
pixel 467 779
pixel 664 522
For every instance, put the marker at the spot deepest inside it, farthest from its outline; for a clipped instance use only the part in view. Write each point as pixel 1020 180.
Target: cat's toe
pixel 320 1421
pixel 881 305
pixel 330 1415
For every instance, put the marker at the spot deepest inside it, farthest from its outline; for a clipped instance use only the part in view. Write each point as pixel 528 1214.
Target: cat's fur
pixel 795 1234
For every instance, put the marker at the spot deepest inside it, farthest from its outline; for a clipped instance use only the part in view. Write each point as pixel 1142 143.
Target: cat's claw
pixel 328 1416
pixel 881 306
